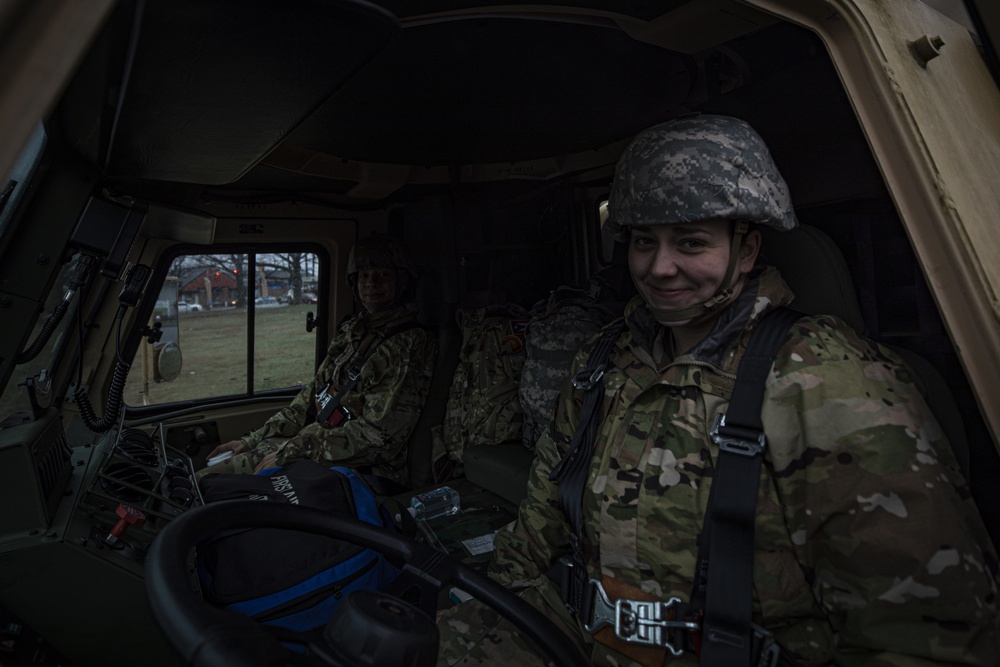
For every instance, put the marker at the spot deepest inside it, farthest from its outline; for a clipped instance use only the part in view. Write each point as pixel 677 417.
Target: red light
pixel 236 270
pixel 218 273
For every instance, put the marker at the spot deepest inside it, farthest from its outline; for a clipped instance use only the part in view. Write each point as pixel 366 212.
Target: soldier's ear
pixel 749 250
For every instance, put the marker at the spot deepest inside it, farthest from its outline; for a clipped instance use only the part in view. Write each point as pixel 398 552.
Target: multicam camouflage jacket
pixel 869 550
pixel 384 405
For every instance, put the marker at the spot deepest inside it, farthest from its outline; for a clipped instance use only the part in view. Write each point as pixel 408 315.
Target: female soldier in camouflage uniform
pixel 868 550
pixel 378 414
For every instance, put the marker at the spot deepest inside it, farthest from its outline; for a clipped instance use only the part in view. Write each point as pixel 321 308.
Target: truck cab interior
pixel 185 180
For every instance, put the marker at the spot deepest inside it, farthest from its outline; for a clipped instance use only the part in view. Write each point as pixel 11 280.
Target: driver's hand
pixel 234 446
pixel 267 462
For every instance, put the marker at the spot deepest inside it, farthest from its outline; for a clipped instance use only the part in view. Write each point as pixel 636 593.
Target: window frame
pixel 249 395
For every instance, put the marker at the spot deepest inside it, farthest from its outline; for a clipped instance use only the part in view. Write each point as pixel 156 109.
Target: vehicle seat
pixel 420 446
pixel 806 254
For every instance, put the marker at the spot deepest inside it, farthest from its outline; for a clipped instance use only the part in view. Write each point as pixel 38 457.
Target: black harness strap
pixel 354 371
pixel 726 553
pixel 571 471
pixel 723 589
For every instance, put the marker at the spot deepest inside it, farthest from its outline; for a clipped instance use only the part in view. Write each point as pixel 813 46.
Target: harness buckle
pixel 586 378
pixel 768 650
pixel 738 440
pixel 640 622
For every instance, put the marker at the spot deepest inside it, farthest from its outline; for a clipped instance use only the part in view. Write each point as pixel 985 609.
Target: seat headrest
pixel 815 270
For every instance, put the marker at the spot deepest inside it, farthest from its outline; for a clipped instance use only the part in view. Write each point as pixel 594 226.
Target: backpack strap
pixel 365 352
pixel 724 576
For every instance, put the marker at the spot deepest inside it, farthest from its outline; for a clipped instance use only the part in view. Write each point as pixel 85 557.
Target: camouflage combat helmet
pixel 699 167
pixel 379 251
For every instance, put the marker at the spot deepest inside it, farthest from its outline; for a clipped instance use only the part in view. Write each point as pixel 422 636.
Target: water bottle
pixel 436 503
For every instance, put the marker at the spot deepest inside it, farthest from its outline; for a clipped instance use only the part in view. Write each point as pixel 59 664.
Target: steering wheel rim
pixel 203 634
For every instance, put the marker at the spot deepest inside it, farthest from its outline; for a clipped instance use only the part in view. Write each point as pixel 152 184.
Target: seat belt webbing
pixel 725 589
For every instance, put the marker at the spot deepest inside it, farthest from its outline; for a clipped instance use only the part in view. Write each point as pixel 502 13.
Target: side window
pixel 231 324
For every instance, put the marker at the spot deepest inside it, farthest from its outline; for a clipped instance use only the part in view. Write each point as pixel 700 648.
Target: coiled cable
pixel 116 391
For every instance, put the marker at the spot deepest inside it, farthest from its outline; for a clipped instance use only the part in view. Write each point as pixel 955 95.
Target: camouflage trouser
pixel 474 634
pixel 245 463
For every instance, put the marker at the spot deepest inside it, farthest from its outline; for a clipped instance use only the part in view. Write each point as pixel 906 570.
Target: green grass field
pixel 214 351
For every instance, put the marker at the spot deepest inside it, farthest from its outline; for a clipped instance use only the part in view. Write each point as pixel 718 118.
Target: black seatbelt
pixel 354 373
pixel 723 588
pixel 724 576
pixel 571 471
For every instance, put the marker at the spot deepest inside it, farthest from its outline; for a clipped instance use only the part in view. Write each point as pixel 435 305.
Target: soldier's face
pixel 376 287
pixel 683 265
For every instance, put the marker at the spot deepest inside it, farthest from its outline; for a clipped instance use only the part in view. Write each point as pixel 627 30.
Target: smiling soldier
pixel 366 397
pixel 858 540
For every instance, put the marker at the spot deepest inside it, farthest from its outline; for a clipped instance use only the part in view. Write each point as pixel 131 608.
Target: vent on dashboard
pixel 126 481
pixel 136 446
pixel 53 467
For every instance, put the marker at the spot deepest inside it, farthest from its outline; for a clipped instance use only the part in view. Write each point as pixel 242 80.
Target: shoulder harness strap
pixel 724 581
pixel 366 351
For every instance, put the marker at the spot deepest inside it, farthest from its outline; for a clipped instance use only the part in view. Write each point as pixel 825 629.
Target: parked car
pixel 308 297
pixel 184 307
pixel 265 301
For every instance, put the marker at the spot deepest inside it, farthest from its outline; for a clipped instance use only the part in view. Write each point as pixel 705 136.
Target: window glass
pixel 12 187
pixel 285 287
pixel 212 310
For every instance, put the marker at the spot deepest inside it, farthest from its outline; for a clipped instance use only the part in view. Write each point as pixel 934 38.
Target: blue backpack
pixel 289 578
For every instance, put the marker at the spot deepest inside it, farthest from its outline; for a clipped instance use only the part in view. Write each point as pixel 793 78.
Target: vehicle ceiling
pixel 314 96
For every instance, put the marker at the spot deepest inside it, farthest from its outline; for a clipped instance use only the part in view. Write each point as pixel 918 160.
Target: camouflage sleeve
pixel 526 549
pixel 878 512
pixel 385 406
pixel 290 420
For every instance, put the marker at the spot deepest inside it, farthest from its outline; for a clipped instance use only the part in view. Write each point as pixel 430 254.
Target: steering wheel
pixel 205 635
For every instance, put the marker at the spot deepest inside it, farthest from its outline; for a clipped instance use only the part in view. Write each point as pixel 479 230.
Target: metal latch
pixel 639 621
pixel 742 441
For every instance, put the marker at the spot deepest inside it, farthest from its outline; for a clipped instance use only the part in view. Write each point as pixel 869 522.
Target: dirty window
pixel 212 311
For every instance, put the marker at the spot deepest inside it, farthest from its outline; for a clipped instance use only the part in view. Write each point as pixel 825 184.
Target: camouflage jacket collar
pixel 364 322
pixel 723 347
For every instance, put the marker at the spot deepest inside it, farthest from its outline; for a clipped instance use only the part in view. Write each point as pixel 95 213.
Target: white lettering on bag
pixel 283 485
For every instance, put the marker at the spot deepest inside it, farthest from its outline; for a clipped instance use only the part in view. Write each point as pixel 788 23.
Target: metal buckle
pixel 638 621
pixel 735 444
pixel 354 372
pixel 770 651
pixel 585 379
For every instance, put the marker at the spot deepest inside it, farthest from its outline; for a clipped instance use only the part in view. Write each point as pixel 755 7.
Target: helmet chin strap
pixel 721 298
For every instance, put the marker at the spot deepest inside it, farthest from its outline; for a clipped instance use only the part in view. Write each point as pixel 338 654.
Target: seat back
pixel 420 447
pixel 816 271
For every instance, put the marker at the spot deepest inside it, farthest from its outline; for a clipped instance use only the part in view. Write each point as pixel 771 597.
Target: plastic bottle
pixel 433 504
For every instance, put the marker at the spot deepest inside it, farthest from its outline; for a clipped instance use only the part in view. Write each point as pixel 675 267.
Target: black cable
pixel 77 280
pixel 116 392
